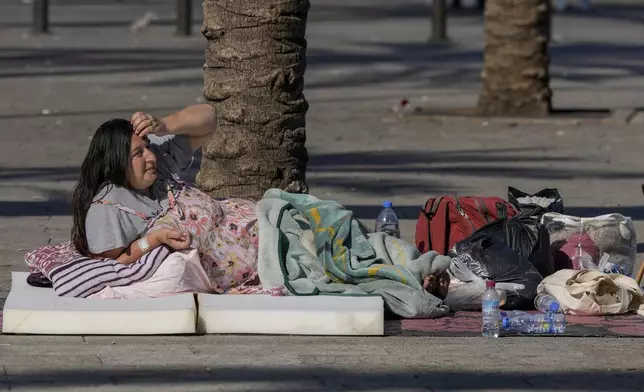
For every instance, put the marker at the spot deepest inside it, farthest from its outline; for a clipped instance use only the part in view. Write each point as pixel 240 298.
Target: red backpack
pixel 446 220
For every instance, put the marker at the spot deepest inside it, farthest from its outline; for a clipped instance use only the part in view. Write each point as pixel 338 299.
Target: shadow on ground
pixel 432 66
pixel 388 172
pixel 321 11
pixel 35 208
pixel 100 24
pixel 379 173
pixel 633 13
pixel 444 66
pixel 124 112
pixel 45 62
pixel 40 174
pixel 321 378
pixel 393 10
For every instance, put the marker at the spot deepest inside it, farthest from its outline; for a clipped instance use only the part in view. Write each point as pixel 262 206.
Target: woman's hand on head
pixel 145 123
pixel 175 239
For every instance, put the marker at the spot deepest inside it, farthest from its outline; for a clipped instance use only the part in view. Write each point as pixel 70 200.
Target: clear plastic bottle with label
pixel 491 314
pixel 540 323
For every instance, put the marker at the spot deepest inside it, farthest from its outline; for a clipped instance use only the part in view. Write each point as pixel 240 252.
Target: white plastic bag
pixel 614 236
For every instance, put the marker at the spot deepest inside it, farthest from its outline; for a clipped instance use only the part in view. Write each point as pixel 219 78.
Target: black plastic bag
pixel 490 258
pixel 546 200
pixel 526 236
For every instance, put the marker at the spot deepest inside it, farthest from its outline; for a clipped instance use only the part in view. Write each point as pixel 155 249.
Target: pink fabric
pixel 181 272
pixel 587 245
pixel 224 231
pixel 275 292
pixel 47 257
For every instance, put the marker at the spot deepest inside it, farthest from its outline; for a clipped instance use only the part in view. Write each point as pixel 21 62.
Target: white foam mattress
pixel 34 310
pixel 291 315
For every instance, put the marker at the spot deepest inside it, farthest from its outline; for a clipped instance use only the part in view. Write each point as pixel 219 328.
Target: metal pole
pixel 40 16
pixel 184 17
pixel 439 20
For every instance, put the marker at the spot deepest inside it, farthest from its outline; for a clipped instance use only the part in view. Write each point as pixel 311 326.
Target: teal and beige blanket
pixel 316 247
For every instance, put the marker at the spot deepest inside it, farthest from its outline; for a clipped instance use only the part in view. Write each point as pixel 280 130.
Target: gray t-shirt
pixel 108 227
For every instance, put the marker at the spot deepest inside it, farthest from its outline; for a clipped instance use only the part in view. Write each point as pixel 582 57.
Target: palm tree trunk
pixel 515 71
pixel 255 63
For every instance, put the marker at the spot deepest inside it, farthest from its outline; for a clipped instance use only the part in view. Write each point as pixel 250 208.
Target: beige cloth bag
pixel 593 293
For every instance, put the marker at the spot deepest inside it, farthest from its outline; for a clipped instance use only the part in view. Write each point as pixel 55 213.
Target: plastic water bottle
pixel 491 313
pixel 582 260
pixel 546 303
pixel 387 221
pixel 550 324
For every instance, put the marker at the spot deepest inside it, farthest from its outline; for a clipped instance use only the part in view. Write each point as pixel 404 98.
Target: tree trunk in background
pixel 253 75
pixel 515 71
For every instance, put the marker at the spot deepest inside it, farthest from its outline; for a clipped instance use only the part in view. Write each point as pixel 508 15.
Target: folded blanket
pixel 311 246
pixel 74 275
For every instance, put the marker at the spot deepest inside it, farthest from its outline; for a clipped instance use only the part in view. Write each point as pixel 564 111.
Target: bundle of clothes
pixel 585 263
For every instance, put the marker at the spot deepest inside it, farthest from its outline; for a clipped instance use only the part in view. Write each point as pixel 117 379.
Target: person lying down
pixel 136 195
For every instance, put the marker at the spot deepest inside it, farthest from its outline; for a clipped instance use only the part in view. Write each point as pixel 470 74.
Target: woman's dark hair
pixel 106 163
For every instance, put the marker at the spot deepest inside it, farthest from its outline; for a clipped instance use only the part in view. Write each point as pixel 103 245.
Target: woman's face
pixel 142 170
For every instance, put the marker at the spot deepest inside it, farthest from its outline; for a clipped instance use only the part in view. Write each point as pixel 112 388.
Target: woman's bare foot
pixel 438 285
pixel 430 283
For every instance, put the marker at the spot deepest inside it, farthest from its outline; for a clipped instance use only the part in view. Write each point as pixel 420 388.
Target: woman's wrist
pixel 144 245
pixel 154 240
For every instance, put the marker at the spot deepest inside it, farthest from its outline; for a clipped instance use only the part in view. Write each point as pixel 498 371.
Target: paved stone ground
pixel 363 57
pixel 234 363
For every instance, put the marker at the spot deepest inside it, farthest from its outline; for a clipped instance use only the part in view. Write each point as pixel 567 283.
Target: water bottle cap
pixel 490 283
pixel 554 307
pixel 387 204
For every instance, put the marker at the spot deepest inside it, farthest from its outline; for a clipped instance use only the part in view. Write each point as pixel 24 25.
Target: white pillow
pixel 181 272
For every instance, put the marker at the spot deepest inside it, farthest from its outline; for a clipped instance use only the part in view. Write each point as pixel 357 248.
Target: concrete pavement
pixel 231 363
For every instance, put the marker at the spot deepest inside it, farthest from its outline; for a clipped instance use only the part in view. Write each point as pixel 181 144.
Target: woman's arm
pixel 197 122
pixel 173 238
